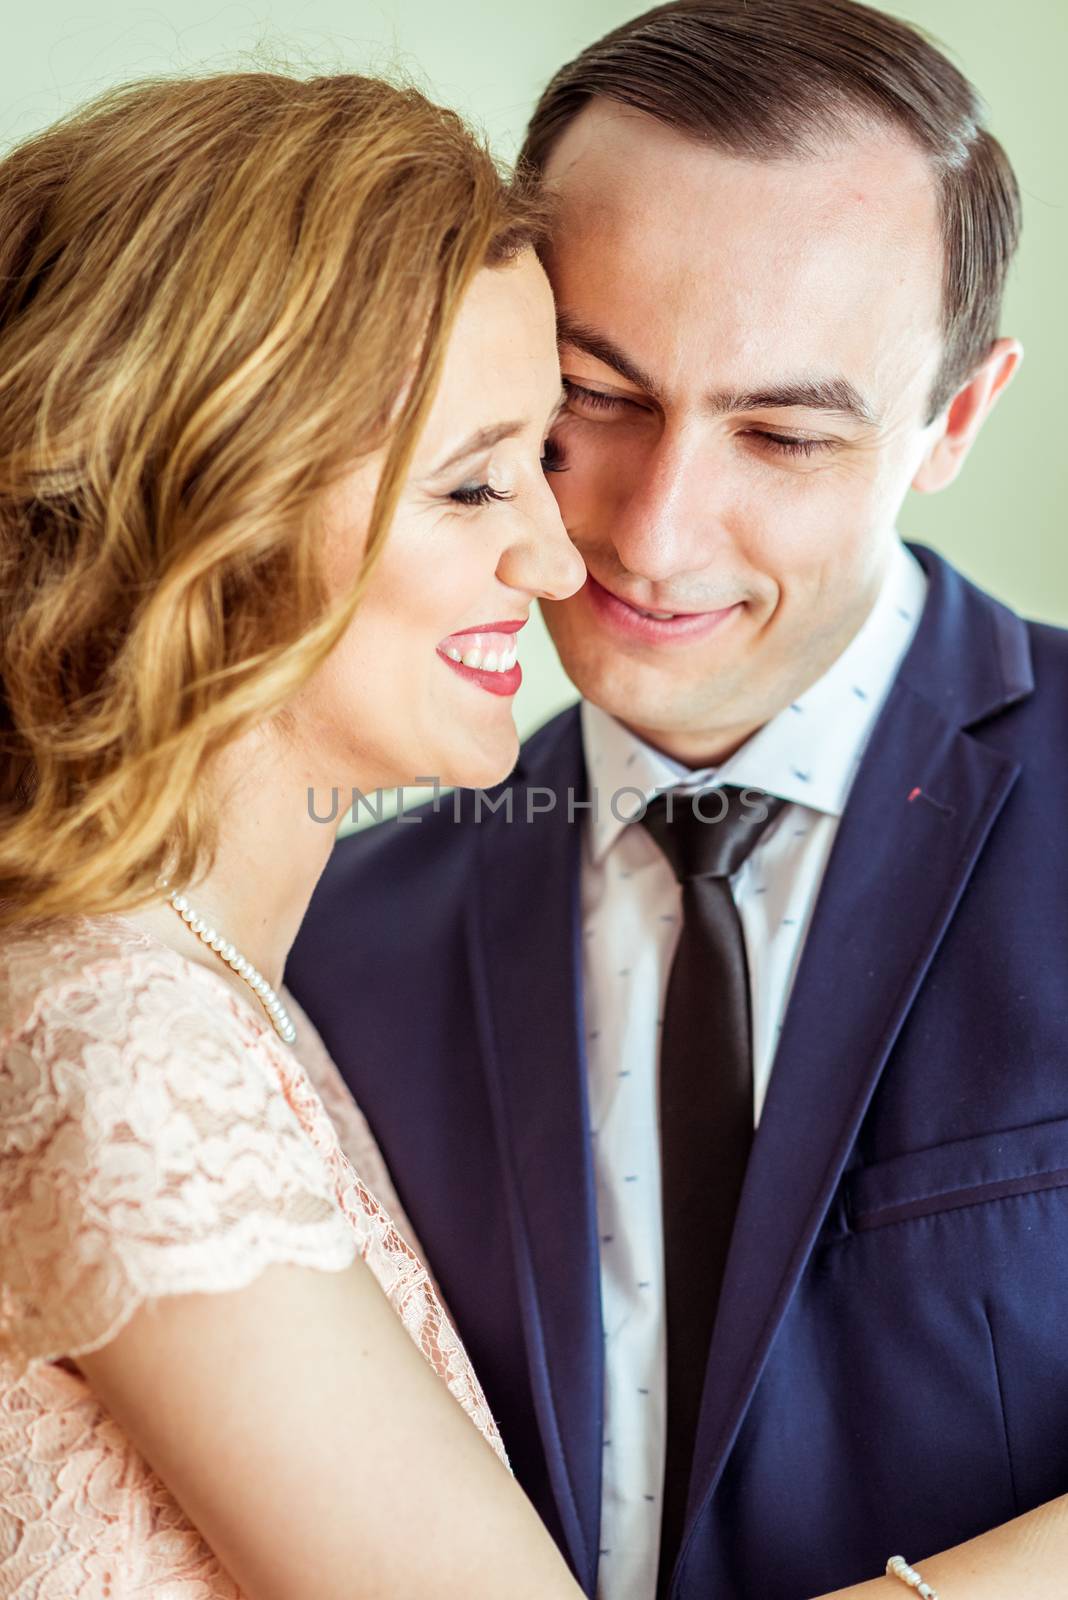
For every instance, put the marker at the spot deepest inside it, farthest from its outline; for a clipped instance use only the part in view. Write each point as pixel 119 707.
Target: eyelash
pixel 781 443
pixel 792 447
pixel 484 494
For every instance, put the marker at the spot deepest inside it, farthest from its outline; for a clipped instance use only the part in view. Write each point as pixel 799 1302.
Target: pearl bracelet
pixel 898 1567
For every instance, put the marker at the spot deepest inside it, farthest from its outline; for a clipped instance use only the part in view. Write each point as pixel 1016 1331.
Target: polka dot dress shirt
pixel 808 755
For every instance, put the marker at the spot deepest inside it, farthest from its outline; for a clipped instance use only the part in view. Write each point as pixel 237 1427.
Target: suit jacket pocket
pixel 968 1172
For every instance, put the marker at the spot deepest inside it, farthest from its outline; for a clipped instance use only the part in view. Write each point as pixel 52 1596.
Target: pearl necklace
pixel 274 1008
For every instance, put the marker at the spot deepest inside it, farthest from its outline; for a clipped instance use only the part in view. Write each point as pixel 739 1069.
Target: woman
pixel 277 369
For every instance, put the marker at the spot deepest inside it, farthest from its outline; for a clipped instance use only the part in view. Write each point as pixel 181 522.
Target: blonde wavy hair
pixel 215 294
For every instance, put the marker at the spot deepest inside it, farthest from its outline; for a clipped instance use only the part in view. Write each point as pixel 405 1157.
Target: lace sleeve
pixel 146 1148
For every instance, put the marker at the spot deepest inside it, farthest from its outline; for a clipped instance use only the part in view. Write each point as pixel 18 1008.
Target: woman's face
pixel 422 684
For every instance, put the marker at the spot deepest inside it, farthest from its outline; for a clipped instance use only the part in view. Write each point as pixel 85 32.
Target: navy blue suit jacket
pixel 889 1368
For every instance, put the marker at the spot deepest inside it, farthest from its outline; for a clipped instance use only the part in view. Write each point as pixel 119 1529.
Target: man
pixel 780 240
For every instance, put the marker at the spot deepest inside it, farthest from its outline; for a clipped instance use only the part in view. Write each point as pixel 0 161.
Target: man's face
pixel 749 348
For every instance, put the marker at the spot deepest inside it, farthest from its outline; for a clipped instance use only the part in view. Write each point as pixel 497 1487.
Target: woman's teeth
pixel 485 660
pixel 660 616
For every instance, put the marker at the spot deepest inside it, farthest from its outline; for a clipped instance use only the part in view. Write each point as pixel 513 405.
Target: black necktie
pixel 706 1101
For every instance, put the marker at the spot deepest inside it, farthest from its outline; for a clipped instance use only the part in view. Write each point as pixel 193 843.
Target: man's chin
pixel 636 695
pixel 680 718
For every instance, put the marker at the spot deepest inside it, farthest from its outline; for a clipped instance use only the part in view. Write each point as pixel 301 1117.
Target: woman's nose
pixel 543 560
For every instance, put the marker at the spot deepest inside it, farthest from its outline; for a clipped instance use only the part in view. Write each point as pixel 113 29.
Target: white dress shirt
pixel 631 902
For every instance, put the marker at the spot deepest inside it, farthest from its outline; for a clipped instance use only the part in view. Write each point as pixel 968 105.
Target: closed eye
pixel 593 399
pixel 479 494
pixel 783 444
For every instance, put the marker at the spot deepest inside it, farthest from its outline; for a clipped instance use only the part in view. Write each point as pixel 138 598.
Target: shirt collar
pixel 807 754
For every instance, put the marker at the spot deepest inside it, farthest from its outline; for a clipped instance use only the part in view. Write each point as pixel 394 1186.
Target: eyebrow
pixel 834 395
pixel 486 438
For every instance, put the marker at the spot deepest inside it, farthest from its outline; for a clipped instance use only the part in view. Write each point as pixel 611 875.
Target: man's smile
pixel 629 621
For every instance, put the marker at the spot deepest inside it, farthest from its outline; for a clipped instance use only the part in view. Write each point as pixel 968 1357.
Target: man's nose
pixel 668 514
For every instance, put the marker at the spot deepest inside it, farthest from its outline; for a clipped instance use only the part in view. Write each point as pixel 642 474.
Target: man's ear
pixel 967 412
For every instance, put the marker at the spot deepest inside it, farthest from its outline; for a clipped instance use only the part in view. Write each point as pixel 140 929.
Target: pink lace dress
pixel 156 1137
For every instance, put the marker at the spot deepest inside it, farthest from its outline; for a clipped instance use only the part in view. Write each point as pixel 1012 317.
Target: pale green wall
pixel 1003 523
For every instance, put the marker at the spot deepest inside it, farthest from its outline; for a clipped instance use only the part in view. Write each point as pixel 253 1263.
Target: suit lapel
pixel 922 806
pixel 524 940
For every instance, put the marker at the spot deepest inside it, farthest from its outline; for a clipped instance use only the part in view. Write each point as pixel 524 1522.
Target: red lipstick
pixel 486 655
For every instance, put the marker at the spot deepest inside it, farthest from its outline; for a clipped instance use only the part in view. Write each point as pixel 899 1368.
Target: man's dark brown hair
pixel 780 79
